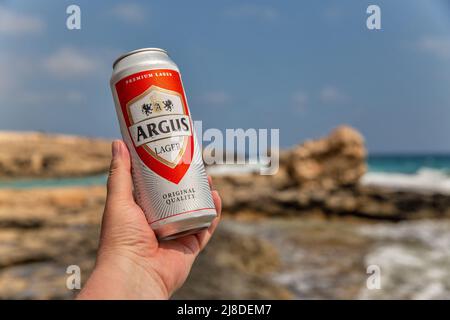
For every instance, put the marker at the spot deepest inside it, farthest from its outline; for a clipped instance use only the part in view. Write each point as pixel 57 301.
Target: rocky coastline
pixel 40 155
pixel 307 232
pixel 323 176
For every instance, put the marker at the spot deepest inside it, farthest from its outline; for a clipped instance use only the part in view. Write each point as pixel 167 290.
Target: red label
pixel 156 114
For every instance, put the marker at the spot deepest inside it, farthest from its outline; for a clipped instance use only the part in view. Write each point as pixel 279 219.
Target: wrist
pixel 122 278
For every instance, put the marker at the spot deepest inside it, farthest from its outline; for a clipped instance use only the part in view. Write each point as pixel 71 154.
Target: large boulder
pixel 336 160
pixel 306 176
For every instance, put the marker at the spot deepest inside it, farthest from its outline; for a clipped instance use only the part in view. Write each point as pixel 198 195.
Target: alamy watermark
pixel 255 147
pixel 73 21
pixel 373 22
pixel 373 281
pixel 73 281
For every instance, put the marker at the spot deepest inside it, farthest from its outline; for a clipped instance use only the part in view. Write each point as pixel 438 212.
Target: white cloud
pixel 129 12
pixel 215 98
pixel 438 46
pixel 257 11
pixel 16 72
pixel 19 70
pixel 330 94
pixel 68 62
pixel 16 23
pixel 39 98
pixel 300 100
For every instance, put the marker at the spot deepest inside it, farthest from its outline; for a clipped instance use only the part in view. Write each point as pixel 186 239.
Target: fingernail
pixel 115 148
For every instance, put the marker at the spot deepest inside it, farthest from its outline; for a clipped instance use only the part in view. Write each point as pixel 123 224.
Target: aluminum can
pixel 169 176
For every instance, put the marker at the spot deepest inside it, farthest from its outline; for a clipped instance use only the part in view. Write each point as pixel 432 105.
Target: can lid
pixel 137 51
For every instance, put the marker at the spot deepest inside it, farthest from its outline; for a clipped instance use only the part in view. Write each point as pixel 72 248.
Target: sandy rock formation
pixel 42 155
pixel 336 160
pixel 306 175
pixel 322 176
pixel 43 231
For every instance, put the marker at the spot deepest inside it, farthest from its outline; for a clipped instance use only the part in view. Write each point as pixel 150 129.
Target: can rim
pixel 136 51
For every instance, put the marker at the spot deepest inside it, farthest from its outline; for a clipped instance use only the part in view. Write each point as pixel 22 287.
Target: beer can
pixel 169 176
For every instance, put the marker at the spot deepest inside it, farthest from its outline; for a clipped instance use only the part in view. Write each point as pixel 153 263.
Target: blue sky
pixel 301 66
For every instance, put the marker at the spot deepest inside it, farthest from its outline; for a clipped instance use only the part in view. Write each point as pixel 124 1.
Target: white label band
pixel 162 127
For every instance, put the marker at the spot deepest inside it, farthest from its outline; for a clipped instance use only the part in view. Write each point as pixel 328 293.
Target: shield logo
pixel 161 130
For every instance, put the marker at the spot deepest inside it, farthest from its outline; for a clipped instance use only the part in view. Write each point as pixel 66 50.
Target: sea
pixel 416 172
pixel 409 172
pixel 53 182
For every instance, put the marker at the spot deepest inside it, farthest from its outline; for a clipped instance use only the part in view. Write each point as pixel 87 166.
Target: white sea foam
pixel 425 180
pixel 413 257
pixel 235 169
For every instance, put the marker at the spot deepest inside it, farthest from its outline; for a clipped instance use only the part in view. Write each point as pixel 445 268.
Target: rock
pixel 307 175
pixel 43 231
pixel 43 155
pixel 336 160
pixel 237 266
pixel 319 258
pixel 379 203
pixel 323 176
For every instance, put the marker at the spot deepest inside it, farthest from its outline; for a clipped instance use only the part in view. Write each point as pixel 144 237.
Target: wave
pixel 234 169
pixel 424 180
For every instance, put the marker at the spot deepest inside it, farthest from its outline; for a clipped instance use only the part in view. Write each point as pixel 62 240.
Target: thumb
pixel 119 184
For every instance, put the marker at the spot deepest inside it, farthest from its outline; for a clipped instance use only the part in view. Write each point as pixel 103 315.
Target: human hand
pixel 131 263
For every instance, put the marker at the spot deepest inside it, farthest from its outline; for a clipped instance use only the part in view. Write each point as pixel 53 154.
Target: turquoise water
pixel 406 164
pixel 409 164
pixel 56 182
